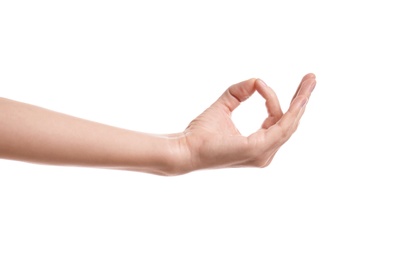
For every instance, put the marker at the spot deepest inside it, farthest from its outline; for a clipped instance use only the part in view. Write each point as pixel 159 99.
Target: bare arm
pixel 33 134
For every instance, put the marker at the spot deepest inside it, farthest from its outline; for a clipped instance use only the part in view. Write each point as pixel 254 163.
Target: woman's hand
pixel 33 134
pixel 213 141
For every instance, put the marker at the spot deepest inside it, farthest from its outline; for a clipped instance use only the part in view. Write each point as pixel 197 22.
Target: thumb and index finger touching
pixel 278 125
pixel 238 93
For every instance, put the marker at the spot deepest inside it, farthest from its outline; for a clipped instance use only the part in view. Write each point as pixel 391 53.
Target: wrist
pixel 163 155
pixel 178 156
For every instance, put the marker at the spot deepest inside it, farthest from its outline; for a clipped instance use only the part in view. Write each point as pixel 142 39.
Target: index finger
pixel 236 94
pixel 240 92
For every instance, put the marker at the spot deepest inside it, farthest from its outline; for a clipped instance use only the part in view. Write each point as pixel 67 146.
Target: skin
pixel 33 134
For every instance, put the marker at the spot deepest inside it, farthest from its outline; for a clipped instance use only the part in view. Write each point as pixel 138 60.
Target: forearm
pixel 33 134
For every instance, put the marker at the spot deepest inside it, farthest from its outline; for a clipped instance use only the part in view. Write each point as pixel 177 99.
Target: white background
pixel 341 188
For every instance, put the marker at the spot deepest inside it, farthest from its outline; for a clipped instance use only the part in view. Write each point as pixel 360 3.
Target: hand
pixel 213 141
pixel 33 134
